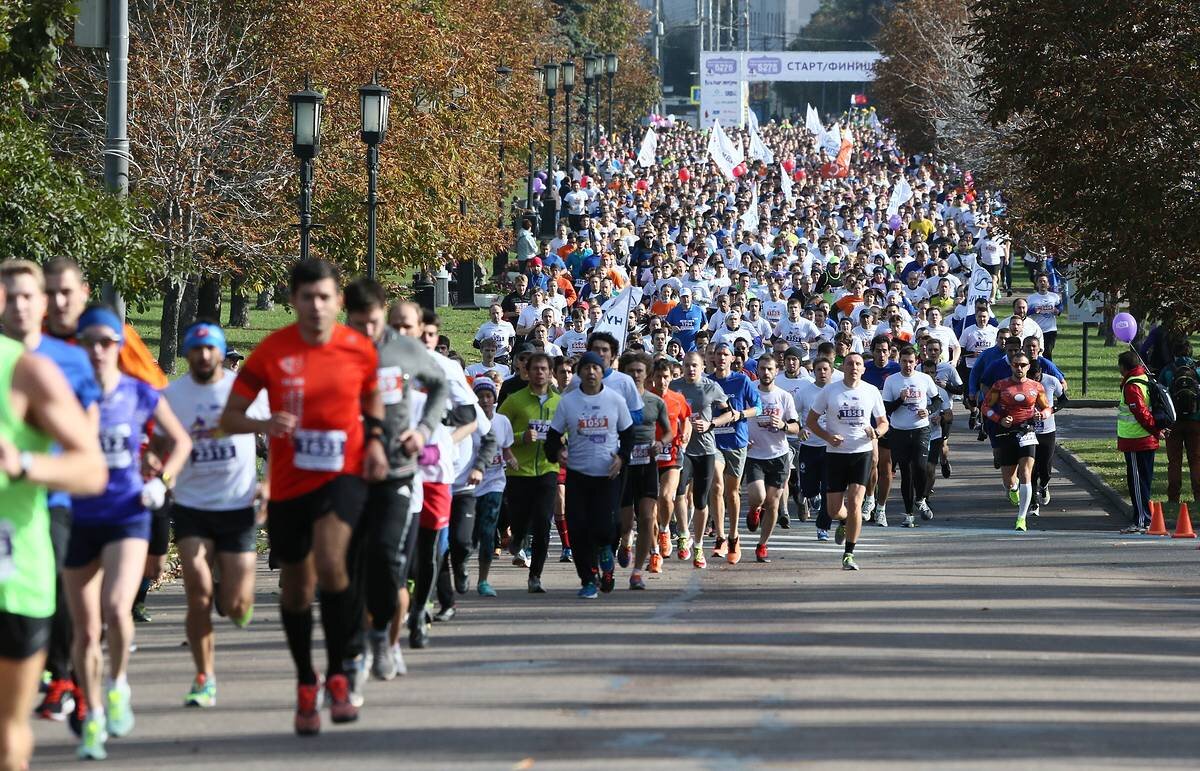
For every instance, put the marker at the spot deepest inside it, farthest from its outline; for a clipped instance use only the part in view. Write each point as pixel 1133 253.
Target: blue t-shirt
pixel 742 395
pixel 876 375
pixel 76 368
pixel 689 322
pixel 124 412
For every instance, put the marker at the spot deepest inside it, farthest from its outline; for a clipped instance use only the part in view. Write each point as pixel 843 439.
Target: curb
pixel 1115 503
pixel 1090 404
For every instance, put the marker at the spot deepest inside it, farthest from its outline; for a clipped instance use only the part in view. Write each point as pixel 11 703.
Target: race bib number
pixel 687 325
pixel 594 429
pixel 114 443
pixel 640 455
pixel 319 450
pixel 7 537
pixel 497 461
pixel 213 451
pixel 664 456
pixel 540 429
pixel 391 385
pixel 1027 439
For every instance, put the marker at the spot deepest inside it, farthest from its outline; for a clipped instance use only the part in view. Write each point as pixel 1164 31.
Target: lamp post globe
pixel 306 144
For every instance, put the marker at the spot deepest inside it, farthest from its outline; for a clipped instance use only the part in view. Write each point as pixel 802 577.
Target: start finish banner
pixel 725 75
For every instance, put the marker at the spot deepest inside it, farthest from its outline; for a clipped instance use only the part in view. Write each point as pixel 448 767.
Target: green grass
pixel 1104 380
pixel 1102 457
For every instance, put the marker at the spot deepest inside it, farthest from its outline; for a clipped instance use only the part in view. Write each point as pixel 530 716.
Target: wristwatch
pixel 25 460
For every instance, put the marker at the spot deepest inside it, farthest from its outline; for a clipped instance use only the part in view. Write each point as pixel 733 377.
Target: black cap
pixel 235 354
pixel 526 348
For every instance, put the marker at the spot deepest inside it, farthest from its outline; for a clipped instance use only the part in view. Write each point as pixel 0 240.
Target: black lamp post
pixel 589 79
pixel 540 75
pixel 374 101
pixel 306 145
pixel 610 69
pixel 550 84
pixel 502 73
pixel 568 85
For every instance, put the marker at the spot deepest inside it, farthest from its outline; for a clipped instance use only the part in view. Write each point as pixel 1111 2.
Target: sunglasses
pixel 103 342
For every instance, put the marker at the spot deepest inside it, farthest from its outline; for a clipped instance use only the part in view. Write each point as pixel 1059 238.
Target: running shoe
pixel 760 553
pixel 721 549
pixel 822 535
pixel 839 535
pixel 521 559
pixel 881 517
pixel 398 660
pixel 93 737
pixel 664 543
pixel 607 581
pixel 1035 510
pixel 868 508
pixel 910 520
pixel 636 581
pixel 1014 497
pixel 76 719
pixel 606 560
pixel 119 710
pixel 58 702
pixel 485 589
pixel 535 585
pixel 1133 529
pixel 784 523
pixel 924 510
pixel 357 671
pixel 203 693
pixel 656 563
pixel 1043 495
pixel 462 579
pixel 383 666
pixel 814 505
pixel 753 517
pixel 588 592
pixel 947 469
pixel 566 555
pixel 140 615
pixel 848 562
pixel 418 630
pixel 341 708
pixel 683 546
pixel 445 614
pixel 625 556
pixel 1020 524
pixel 735 551
pixel 699 562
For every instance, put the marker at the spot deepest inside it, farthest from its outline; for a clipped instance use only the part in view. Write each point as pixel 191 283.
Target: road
pixel 958 645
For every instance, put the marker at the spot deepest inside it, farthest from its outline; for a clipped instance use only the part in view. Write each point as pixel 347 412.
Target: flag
pixel 843 157
pixel 980 287
pixel 723 151
pixel 902 193
pixel 785 184
pixel 812 122
pixel 874 124
pixel 831 140
pixel 750 218
pixel 758 148
pixel 614 314
pixel 646 155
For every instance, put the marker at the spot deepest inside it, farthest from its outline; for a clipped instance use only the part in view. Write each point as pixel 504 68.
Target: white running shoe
pixel 924 510
pixel 881 517
pixel 868 508
pixel 910 520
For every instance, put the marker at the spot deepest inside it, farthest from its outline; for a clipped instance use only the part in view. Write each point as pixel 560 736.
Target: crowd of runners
pixel 801 338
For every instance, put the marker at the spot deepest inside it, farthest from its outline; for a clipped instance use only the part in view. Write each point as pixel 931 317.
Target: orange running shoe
pixel 699 562
pixel 656 563
pixel 721 549
pixel 735 551
pixel 664 542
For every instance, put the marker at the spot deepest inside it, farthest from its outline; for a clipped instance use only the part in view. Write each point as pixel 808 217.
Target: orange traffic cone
pixel 1157 525
pixel 1183 527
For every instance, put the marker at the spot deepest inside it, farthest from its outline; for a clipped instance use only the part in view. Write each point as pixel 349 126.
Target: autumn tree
pixel 1108 94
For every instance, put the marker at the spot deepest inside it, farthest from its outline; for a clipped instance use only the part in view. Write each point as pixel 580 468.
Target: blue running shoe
pixel 588 592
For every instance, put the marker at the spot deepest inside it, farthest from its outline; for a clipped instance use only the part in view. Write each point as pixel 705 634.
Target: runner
pixel 216 521
pixel 1044 427
pixel 810 454
pixel 326 434
pixel 490 490
pixel 1013 404
pixel 598 428
pixel 848 408
pixel 671 501
pixel 37 409
pixel 939 429
pixel 732 438
pixel 911 397
pixel 793 379
pixel 641 485
pixel 877 371
pixel 768 455
pixel 110 532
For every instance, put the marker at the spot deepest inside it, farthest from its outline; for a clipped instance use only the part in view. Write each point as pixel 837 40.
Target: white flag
pixel 831 140
pixel 614 314
pixel 750 218
pixel 758 148
pixel 647 154
pixel 785 184
pixel 722 150
pixel 812 122
pixel 902 193
pixel 874 124
pixel 980 286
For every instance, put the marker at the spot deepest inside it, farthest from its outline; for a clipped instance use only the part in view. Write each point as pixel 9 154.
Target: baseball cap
pixel 483 383
pixel 723 344
pixel 536 262
pixel 235 354
pixel 685 292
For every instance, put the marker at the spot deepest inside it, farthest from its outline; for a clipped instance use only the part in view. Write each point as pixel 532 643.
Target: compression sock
pixel 338 620
pixel 849 547
pixel 143 590
pixel 298 627
pixel 1025 495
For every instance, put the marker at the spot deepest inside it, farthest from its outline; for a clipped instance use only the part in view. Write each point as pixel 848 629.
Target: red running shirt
pixel 323 386
pixel 678 411
pixel 1018 399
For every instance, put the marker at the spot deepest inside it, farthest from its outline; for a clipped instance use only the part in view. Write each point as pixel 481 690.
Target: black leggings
pixel 910 450
pixel 591 518
pixel 425 568
pixel 1044 459
pixel 58 654
pixel 1048 341
pixel 704 470
pixel 379 556
pixel 531 503
pixel 462 536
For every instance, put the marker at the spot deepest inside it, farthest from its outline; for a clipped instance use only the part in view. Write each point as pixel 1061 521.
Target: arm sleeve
pixel 554 443
pixel 437 390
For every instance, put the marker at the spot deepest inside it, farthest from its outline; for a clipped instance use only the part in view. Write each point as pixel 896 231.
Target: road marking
pixel 669 609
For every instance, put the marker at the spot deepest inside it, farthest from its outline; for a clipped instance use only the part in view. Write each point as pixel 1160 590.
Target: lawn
pixel 1101 456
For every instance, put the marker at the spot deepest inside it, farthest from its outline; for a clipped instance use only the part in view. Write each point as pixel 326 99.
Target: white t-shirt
pixel 619 383
pixel 798 333
pixel 945 336
pixel 572 342
pixel 1054 389
pixel 530 315
pixel 774 311
pixel 848 412
pixel 479 368
pixel 466 451
pixel 766 442
pixel 915 391
pixel 991 251
pixel 576 202
pixel 220 475
pixel 935 426
pixel 590 424
pixel 1041 310
pixel 975 340
pixel 500 331
pixel 1029 328
pixel 805 396
pixel 727 335
pixel 493 474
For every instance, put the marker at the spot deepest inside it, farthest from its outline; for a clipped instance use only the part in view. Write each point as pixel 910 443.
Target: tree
pixel 841 25
pixel 1109 98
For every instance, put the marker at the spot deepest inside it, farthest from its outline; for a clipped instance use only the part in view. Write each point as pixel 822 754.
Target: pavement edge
pixel 1115 503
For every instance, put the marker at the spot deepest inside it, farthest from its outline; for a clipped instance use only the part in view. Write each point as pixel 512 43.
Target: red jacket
pixel 1141 412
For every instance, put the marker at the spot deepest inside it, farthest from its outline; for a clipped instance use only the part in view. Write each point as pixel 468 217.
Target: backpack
pixel 1162 408
pixel 1185 388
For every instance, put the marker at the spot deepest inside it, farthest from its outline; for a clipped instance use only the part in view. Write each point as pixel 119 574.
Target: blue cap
pixel 204 333
pixel 590 357
pixel 102 317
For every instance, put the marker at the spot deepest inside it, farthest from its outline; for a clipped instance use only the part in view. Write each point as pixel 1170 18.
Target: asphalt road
pixel 958 645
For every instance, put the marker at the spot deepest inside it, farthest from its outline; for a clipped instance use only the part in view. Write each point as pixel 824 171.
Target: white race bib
pixel 319 450
pixel 640 455
pixel 540 429
pixel 391 385
pixel 214 452
pixel 114 443
pixel 1027 439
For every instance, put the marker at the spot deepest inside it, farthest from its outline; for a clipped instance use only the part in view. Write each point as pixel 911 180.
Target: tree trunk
pixel 239 303
pixel 168 326
pixel 187 306
pixel 265 301
pixel 208 299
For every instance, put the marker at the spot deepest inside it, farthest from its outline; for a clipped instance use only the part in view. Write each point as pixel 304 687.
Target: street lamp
pixel 589 79
pixel 306 145
pixel 502 73
pixel 610 69
pixel 550 84
pixel 568 85
pixel 374 101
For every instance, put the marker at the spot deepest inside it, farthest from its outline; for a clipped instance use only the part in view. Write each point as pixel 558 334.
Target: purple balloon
pixel 539 186
pixel 1124 327
pixel 541 175
pixel 894 222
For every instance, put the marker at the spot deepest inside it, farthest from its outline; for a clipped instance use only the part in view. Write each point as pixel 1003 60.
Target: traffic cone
pixel 1183 527
pixel 1157 525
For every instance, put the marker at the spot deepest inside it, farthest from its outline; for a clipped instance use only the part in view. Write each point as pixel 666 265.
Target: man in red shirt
pixel 326 434
pixel 1138 436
